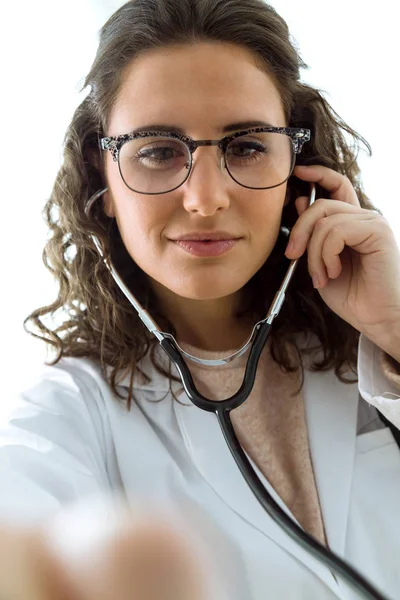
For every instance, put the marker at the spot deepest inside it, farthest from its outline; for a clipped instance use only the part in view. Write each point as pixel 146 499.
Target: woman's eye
pixel 246 150
pixel 244 147
pixel 161 153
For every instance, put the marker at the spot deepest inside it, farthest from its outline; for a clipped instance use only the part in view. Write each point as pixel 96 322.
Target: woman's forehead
pixel 193 84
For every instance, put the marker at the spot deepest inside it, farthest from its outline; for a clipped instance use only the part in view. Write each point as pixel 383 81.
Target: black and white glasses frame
pixel 298 137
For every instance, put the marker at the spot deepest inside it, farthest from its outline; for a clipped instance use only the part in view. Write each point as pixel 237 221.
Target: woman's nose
pixel 207 189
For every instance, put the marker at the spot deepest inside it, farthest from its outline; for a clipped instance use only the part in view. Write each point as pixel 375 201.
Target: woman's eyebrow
pixel 225 129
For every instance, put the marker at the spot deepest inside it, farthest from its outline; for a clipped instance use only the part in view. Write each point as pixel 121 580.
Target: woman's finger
pixel 321 209
pixel 27 571
pixel 146 561
pixel 302 203
pixel 329 237
pixel 338 186
pixel 124 556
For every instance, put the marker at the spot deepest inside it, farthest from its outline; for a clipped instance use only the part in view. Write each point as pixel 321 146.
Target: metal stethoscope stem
pixel 222 409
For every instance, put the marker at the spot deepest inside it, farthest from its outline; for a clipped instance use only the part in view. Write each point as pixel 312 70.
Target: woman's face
pixel 199 89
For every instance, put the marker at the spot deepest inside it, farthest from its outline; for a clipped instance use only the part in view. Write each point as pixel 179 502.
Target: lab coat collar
pixel 157 383
pixel 331 416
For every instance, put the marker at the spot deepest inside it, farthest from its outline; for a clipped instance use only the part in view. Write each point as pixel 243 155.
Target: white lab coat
pixel 68 437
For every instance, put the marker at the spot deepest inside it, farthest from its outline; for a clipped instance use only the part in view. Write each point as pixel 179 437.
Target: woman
pixel 197 233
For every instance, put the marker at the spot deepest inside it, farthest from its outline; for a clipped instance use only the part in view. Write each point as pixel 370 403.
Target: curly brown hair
pixel 97 320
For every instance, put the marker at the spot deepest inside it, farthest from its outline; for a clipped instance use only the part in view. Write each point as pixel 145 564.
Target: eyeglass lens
pixel 161 164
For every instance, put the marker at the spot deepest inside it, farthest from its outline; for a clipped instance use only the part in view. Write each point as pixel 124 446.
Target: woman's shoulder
pixel 80 374
pixel 54 439
pixel 71 390
pixel 70 368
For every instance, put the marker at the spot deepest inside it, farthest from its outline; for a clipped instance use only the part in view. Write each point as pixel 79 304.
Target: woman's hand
pixel 135 560
pixel 353 257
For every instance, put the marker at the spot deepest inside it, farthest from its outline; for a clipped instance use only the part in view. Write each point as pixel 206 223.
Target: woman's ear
pixel 108 205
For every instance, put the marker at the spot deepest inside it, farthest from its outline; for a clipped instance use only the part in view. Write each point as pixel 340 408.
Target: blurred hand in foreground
pixel 120 558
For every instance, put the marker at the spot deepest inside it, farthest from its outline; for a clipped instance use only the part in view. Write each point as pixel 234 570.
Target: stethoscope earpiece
pixel 285 231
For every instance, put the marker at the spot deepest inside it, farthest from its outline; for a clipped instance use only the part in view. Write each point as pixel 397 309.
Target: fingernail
pixel 316 281
pixel 290 247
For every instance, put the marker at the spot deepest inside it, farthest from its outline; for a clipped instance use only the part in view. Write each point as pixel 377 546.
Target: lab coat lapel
pixel 331 412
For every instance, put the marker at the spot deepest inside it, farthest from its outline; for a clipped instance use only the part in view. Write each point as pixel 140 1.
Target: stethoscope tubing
pixel 222 409
pixel 308 542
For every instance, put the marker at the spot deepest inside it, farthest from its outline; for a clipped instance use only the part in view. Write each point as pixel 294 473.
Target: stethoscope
pixel 222 409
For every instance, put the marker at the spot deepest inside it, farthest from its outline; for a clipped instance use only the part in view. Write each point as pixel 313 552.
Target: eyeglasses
pixel 157 162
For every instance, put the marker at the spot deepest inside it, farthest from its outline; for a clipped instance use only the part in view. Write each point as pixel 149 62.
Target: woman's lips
pixel 206 248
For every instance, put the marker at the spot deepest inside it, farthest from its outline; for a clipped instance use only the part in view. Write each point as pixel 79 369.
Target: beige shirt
pixel 271 426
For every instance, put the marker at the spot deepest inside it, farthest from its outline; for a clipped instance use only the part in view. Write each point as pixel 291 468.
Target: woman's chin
pixel 199 289
pixel 207 292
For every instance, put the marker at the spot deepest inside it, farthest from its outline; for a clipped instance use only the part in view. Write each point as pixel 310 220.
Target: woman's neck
pixel 206 324
pixel 215 335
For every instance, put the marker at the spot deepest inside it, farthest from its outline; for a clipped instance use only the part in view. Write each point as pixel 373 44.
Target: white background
pixel 46 49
